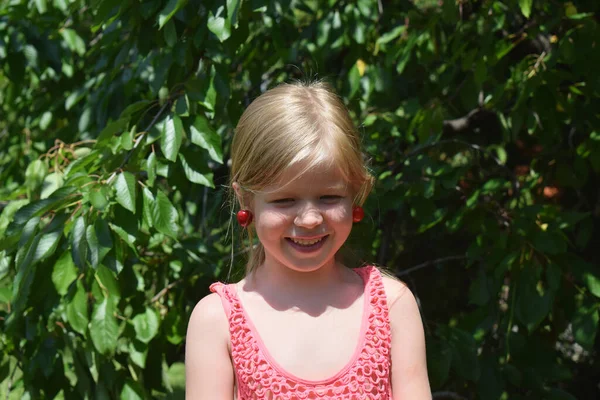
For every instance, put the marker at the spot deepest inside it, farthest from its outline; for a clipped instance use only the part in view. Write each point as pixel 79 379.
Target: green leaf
pixel 232 12
pixel 525 6
pixel 78 244
pixel 104 330
pixel 533 302
pixel 126 139
pixel 176 375
pixel 41 6
pixel 170 141
pixel 125 225
pixel 47 244
pixel 51 183
pixel 151 169
pixel 5 261
pixel 164 215
pixel 174 328
pixel 391 35
pixel 148 198
pixel 204 136
pixel 110 130
pixel 64 273
pixel 45 120
pixel 170 9
pixel 99 241
pixel 82 162
pixel 138 352
pixel 108 279
pixel 73 40
pixel 218 25
pixel 194 174
pixel 146 325
pixel 170 34
pixel 593 283
pixel 132 391
pixel 77 310
pixel 354 80
pixel 126 190
pixel 35 174
pixel 54 202
pixel 585 324
pixel 99 197
pixel 134 108
pixel 73 99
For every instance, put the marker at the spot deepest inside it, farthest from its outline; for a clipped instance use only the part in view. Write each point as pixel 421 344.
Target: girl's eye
pixel 331 198
pixel 282 201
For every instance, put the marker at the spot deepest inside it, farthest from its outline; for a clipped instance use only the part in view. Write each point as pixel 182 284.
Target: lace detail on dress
pixel 366 377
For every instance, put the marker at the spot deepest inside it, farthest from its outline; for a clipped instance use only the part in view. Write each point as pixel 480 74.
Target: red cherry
pixel 244 217
pixel 358 214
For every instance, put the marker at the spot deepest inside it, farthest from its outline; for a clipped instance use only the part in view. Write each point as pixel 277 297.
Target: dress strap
pixel 224 293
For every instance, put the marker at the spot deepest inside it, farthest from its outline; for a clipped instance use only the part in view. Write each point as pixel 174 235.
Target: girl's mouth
pixel 307 245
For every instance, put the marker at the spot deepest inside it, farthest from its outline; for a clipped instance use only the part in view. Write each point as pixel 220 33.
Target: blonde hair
pixel 291 124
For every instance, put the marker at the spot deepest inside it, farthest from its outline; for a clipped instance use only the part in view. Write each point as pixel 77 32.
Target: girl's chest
pixel 305 346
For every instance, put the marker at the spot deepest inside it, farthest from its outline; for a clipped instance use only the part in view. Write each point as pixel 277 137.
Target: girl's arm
pixel 409 363
pixel 208 368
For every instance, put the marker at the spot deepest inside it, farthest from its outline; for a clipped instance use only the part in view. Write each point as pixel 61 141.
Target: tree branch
pixel 428 263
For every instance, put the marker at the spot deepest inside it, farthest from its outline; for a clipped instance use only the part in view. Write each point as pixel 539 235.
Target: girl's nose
pixel 309 217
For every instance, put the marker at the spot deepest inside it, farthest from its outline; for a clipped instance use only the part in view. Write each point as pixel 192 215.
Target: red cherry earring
pixel 358 214
pixel 244 217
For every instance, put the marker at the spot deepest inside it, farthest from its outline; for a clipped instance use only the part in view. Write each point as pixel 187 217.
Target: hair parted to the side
pixel 295 124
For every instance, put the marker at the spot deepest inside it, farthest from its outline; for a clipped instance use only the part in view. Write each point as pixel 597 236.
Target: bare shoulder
pixel 208 312
pixel 395 290
pixel 208 367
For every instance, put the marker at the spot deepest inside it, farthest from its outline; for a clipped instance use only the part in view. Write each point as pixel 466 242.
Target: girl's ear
pixel 241 197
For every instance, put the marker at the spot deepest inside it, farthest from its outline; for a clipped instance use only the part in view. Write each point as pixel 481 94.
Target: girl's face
pixel 304 221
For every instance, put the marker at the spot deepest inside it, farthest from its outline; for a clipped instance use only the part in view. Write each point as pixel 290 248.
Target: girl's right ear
pixel 239 194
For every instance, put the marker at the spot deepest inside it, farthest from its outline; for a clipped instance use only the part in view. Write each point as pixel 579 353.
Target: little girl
pixel 301 325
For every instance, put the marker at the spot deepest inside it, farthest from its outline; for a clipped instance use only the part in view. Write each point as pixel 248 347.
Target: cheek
pixel 340 212
pixel 270 222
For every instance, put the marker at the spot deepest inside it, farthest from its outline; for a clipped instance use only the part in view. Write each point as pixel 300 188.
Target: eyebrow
pixel 286 191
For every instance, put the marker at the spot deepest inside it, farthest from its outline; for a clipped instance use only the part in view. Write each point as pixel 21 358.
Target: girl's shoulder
pixel 395 289
pixel 209 311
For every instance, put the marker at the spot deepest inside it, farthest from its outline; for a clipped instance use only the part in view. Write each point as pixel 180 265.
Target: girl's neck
pixel 282 279
pixel 313 293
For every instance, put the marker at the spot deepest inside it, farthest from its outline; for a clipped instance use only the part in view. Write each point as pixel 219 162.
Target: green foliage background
pixel 481 119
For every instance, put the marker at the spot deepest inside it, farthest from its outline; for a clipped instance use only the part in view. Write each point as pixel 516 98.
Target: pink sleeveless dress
pixel 366 376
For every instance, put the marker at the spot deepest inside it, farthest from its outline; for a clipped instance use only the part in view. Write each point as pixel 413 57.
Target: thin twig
pixel 428 263
pixel 165 290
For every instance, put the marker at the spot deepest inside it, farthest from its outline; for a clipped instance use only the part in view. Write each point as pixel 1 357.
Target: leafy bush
pixel 481 119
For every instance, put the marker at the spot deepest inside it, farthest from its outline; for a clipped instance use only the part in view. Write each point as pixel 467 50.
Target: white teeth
pixel 306 242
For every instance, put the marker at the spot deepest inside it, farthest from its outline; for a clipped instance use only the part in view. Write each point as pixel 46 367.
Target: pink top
pixel 367 374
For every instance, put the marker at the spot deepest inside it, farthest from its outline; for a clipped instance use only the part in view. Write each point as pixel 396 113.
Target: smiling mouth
pixel 307 244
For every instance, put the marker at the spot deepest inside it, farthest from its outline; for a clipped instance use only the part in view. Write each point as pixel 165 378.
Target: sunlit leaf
pixel 77 310
pixel 203 135
pixel 170 141
pixel 104 330
pixel 195 175
pixel 125 186
pixel 64 273
pixel 170 9
pixel 146 325
pixel 164 215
